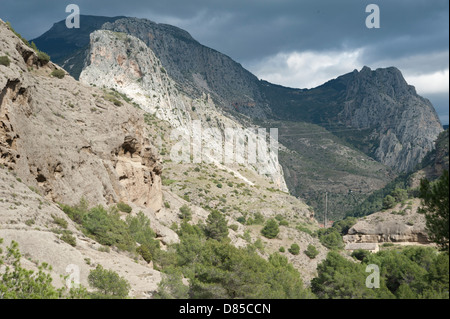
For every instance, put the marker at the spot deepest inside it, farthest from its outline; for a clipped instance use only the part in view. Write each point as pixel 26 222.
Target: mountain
pixel 432 167
pixel 376 111
pixel 373 117
pixel 67 47
pixel 72 153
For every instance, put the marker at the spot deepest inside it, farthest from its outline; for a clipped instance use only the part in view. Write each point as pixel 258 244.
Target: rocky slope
pixel 401 224
pixel 68 47
pixel 375 112
pixel 62 140
pixel 133 69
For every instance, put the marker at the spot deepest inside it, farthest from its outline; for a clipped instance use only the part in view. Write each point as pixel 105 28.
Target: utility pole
pixel 326 209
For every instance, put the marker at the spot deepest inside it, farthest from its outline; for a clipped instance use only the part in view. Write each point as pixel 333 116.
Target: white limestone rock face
pixel 132 69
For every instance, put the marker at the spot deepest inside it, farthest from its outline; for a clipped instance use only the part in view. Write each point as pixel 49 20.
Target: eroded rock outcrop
pixel 401 224
pixel 69 140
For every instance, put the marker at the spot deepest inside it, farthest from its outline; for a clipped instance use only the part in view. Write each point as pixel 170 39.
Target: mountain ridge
pixel 375 111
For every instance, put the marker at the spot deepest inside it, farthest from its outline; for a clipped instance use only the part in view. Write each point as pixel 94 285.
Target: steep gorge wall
pixel 133 69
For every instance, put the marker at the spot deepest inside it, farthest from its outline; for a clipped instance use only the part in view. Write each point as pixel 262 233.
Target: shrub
pixel 360 254
pixel 69 238
pixel 108 283
pixel 60 221
pixel 271 229
pixel 241 220
pixel 435 201
pixel 4 60
pixel 76 213
pixel 216 226
pixel 389 202
pixel 400 194
pixel 58 73
pixel 311 251
pixel 330 238
pixel 144 251
pixel 258 219
pixel 303 228
pixel 20 283
pixel 43 57
pixel 166 205
pixel 234 227
pixel 140 231
pixel 185 213
pixel 124 207
pixel 107 228
pixel 104 249
pixel 294 249
pixel 29 222
pixel 284 222
pixel 281 250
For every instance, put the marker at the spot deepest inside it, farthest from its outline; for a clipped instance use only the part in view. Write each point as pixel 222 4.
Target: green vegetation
pixel 168 182
pixel 360 254
pixel 311 251
pixel 108 229
pixel 375 202
pixel 435 200
pixel 389 202
pixel 60 221
pixel 217 269
pixel 123 207
pixel 185 213
pixel 330 238
pixel 58 73
pixel 216 226
pixel 4 60
pixel 108 283
pixel 43 57
pixel 342 226
pixel 29 222
pixel 294 249
pixel 410 273
pixel 271 229
pixel 339 278
pixel 140 231
pixel 69 238
pixel 18 283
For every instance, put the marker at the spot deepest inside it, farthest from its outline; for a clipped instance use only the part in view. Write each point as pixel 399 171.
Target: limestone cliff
pixel 404 124
pixel 50 135
pixel 401 224
pixel 61 141
pixel 133 69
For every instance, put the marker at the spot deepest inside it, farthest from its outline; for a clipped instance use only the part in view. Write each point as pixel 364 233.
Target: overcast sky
pixel 296 43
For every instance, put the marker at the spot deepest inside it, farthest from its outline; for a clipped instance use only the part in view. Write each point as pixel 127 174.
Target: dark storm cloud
pixel 251 29
pixel 414 35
